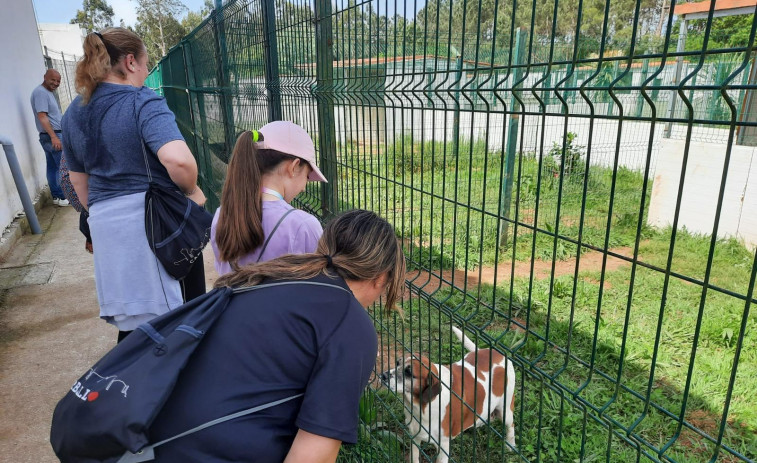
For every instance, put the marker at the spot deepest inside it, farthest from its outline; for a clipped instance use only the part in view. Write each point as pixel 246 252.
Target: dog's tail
pixel 469 345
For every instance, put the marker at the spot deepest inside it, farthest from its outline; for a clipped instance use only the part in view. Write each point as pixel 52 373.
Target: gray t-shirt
pixel 43 101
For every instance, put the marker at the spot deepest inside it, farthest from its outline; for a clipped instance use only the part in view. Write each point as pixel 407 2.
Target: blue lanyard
pixel 272 192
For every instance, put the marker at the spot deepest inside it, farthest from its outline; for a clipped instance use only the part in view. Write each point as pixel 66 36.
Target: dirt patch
pixel 709 423
pixel 516 324
pixel 430 282
pixel 594 281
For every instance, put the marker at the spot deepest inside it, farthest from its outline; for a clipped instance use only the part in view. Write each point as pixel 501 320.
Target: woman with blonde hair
pixel 119 136
pixel 255 222
pixel 305 333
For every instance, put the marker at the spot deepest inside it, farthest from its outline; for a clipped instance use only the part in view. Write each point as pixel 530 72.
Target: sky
pixel 61 11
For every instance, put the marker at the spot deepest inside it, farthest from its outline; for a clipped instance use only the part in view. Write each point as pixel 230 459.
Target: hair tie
pixel 329 262
pixel 255 135
pixel 102 39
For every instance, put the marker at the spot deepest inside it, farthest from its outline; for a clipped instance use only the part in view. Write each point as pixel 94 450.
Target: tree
pixel 194 18
pixel 158 26
pixel 725 32
pixel 488 23
pixel 159 39
pixel 95 15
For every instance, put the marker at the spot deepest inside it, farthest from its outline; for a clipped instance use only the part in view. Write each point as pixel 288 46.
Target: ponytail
pixel 240 223
pixel 102 51
pixel 357 245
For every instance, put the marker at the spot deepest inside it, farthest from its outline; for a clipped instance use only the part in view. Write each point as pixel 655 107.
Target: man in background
pixel 47 116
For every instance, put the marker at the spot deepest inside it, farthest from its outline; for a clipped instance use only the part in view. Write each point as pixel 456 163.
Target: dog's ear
pixel 433 388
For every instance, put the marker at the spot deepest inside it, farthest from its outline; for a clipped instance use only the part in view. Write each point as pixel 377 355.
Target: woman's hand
pixel 198 196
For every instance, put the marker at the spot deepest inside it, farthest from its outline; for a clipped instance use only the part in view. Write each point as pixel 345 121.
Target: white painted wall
pixel 66 38
pixel 704 173
pixel 22 69
pixel 633 148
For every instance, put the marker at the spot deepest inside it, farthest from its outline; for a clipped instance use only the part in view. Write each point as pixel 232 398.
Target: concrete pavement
pixel 50 332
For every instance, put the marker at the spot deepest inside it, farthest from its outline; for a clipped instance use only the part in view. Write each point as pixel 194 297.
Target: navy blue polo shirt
pixel 271 344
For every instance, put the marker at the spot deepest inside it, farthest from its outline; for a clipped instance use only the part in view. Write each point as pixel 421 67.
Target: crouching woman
pixel 289 338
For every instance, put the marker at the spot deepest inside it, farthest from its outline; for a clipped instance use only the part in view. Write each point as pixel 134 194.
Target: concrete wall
pixel 22 69
pixel 66 38
pixel 704 172
pixel 633 149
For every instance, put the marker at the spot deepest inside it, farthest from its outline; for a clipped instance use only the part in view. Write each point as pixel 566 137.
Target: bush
pixel 574 166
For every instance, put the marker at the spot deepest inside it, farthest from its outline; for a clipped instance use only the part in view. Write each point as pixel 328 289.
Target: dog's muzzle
pixel 384 377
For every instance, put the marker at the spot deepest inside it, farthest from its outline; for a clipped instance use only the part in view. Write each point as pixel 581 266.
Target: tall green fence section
pixel 573 185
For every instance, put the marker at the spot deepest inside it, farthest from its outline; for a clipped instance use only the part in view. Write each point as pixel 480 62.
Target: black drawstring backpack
pixel 107 414
pixel 111 406
pixel 177 228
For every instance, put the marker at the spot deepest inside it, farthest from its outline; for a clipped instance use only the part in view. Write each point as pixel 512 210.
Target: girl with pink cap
pixel 256 222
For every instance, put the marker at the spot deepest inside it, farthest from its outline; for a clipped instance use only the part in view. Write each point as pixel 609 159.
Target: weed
pixel 568 159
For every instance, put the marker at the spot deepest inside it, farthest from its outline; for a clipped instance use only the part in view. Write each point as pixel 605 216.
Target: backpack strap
pixel 286 283
pixel 148 453
pixel 265 245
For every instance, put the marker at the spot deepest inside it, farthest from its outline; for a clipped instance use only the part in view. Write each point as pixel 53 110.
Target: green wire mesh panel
pixel 572 185
pixel 155 79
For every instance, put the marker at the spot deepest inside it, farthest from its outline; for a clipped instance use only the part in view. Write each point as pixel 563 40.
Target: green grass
pixel 567 404
pixel 547 414
pixel 450 203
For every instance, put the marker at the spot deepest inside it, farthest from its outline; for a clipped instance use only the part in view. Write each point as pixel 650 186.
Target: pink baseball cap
pixel 289 138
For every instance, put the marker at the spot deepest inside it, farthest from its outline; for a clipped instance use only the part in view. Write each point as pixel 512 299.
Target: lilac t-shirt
pixel 298 233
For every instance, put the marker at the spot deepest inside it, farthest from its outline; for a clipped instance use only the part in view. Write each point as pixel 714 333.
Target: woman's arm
pixel 80 181
pixel 312 448
pixel 182 168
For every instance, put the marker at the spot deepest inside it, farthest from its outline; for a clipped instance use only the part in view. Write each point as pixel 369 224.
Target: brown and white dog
pixel 482 384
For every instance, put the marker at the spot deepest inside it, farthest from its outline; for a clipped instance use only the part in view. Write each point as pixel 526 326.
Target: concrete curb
pixel 20 225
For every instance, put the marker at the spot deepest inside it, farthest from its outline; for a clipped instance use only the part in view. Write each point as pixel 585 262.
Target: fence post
pixel 573 83
pixel 271 57
pixel 512 140
pixel 748 135
pixel 48 60
pixel 456 113
pixel 324 78
pixel 717 74
pixel 640 101
pixel 65 71
pixel 611 103
pixel 679 68
pixel 202 154
pixel 224 83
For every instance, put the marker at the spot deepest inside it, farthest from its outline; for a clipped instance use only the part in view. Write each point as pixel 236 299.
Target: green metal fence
pixel 569 189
